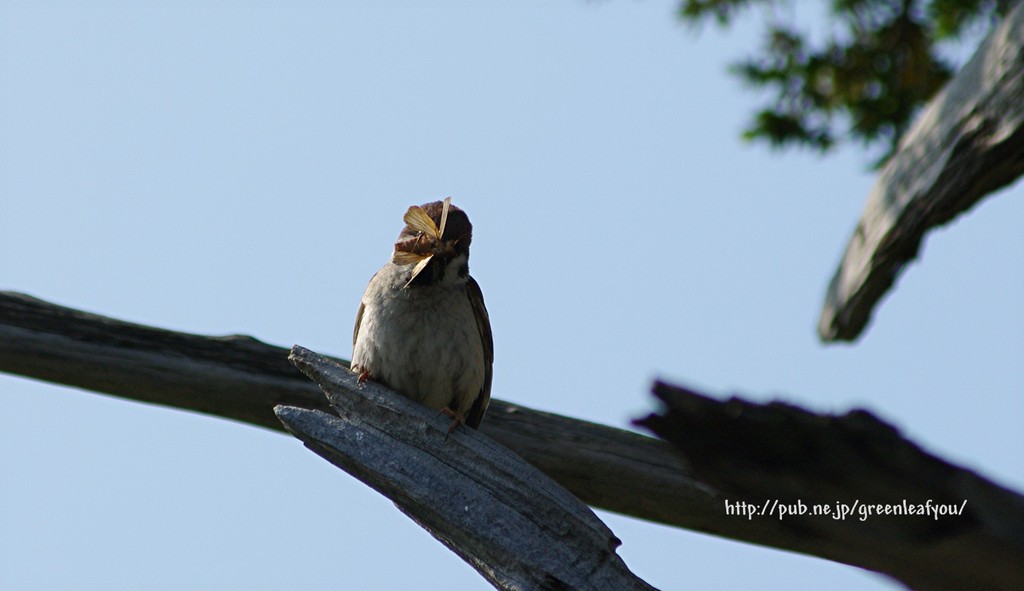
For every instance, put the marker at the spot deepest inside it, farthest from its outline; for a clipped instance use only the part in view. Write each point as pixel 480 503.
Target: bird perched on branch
pixel 422 328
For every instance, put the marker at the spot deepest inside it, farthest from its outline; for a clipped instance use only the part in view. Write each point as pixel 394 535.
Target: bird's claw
pixel 456 418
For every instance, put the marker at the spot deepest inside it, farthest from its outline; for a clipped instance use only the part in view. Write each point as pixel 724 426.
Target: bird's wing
pixel 359 316
pixel 483 323
pixel 355 330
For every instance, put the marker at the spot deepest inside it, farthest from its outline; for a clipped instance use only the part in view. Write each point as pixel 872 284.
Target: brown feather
pixel 483 324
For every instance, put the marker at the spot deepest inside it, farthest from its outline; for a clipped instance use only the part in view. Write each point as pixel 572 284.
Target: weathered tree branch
pixel 514 525
pixel 778 453
pixel 967 143
pixel 243 379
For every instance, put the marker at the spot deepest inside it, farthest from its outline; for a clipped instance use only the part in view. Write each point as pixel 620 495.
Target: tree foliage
pixel 879 63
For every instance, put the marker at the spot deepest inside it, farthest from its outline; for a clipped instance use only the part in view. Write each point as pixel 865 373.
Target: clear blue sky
pixel 243 168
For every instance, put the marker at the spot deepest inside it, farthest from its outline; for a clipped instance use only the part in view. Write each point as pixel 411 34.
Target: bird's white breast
pixel 421 341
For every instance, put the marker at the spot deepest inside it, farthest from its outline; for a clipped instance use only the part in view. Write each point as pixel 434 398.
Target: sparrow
pixel 422 328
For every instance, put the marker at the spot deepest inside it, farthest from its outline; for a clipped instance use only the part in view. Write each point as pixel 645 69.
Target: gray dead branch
pixel 513 524
pixel 967 143
pixel 781 457
pixel 243 379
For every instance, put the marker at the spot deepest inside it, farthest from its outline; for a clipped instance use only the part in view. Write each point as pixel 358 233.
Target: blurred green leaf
pixel 877 67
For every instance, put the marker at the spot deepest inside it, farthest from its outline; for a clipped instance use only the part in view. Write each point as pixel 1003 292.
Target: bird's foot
pixel 364 374
pixel 456 418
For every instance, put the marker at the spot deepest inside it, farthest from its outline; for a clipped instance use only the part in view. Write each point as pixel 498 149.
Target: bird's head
pixel 436 240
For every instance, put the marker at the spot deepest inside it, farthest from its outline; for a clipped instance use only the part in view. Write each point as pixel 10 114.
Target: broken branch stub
pixel 512 523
